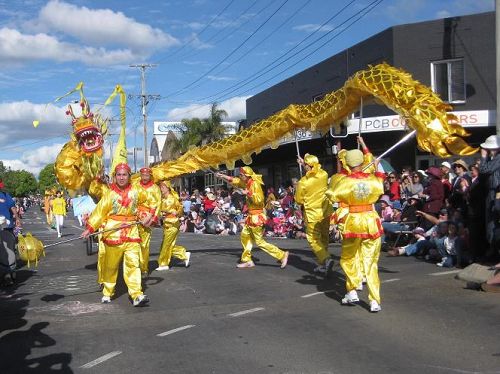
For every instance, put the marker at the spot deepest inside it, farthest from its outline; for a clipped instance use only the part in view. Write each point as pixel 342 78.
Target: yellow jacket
pixel 357 192
pixel 171 209
pixel 254 200
pixel 116 208
pixel 310 193
pixel 153 201
pixel 59 206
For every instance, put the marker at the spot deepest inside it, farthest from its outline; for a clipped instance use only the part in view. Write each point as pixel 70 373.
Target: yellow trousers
pixel 318 239
pixel 129 252
pixel 168 247
pixel 145 234
pixel 253 235
pixel 368 251
pixel 100 258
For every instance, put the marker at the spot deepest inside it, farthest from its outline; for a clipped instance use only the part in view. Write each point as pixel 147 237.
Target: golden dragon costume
pixel 437 131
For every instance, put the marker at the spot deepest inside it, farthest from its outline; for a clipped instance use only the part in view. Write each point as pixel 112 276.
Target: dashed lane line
pixel 316 293
pixel 445 272
pixel 169 332
pixel 390 280
pixel 237 314
pixel 100 360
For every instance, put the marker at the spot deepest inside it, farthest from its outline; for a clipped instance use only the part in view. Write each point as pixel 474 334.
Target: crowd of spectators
pixel 222 210
pixel 449 212
pixel 439 214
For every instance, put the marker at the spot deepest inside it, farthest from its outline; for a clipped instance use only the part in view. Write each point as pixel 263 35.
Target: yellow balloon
pixel 36 123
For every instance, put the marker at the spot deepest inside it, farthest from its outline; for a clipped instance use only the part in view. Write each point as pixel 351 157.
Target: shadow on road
pixel 16 346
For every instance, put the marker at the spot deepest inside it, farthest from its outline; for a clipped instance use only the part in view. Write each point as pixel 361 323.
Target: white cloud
pixel 102 27
pixel 310 27
pixel 235 108
pixel 35 160
pixel 18 48
pixel 443 14
pixel 216 78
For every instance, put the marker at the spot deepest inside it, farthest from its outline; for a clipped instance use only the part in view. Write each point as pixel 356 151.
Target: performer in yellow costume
pixel 171 210
pixel 118 209
pixel 310 193
pixel 251 185
pixel 150 208
pixel 58 206
pixel 47 206
pixel 356 192
pixel 97 189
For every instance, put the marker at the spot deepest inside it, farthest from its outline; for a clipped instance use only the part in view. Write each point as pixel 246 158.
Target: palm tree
pixel 213 129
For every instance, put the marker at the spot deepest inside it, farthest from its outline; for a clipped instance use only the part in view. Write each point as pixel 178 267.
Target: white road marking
pixel 237 314
pixel 390 280
pixel 175 330
pixel 316 293
pixel 101 359
pixel 445 272
pixel 78 227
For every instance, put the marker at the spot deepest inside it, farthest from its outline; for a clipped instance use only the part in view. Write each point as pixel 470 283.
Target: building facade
pixel 455 56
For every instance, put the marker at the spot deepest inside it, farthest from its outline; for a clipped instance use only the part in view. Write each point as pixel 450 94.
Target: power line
pixel 263 39
pixel 230 54
pixel 196 35
pixel 270 66
pixel 366 10
pixel 224 37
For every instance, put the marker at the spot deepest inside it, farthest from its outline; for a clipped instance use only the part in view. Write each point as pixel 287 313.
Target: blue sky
pixel 206 50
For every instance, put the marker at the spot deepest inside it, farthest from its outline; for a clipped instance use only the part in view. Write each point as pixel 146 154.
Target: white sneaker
pixel 59 235
pixel 375 307
pixel 350 298
pixel 186 262
pixel 441 264
pixel 106 300
pixel 360 287
pixel 248 264
pixel 162 268
pixel 141 300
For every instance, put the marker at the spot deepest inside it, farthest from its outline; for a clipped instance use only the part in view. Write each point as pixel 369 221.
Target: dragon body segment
pixel 437 131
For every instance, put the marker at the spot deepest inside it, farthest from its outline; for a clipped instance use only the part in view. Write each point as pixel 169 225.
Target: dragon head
pixel 88 129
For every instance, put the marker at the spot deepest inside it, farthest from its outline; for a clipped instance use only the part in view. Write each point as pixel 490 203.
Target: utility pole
pixel 144 102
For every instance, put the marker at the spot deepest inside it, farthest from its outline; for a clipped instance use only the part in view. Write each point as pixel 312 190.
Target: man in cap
pixel 490 167
pixel 251 185
pixel 357 191
pixel 149 208
pixel 310 193
pixel 117 212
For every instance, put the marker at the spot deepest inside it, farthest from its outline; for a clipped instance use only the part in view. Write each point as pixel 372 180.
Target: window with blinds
pixel 448 80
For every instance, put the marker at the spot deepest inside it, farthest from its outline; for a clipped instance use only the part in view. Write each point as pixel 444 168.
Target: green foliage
pixel 20 182
pixel 195 132
pixel 46 178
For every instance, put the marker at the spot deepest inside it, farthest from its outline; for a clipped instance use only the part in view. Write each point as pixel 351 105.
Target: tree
pixel 212 128
pixel 195 132
pixel 20 182
pixel 46 178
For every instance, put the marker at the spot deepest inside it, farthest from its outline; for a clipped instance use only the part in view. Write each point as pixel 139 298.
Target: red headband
pixel 145 170
pixel 122 166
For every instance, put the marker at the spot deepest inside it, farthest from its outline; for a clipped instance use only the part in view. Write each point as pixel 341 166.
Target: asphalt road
pixel 215 318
